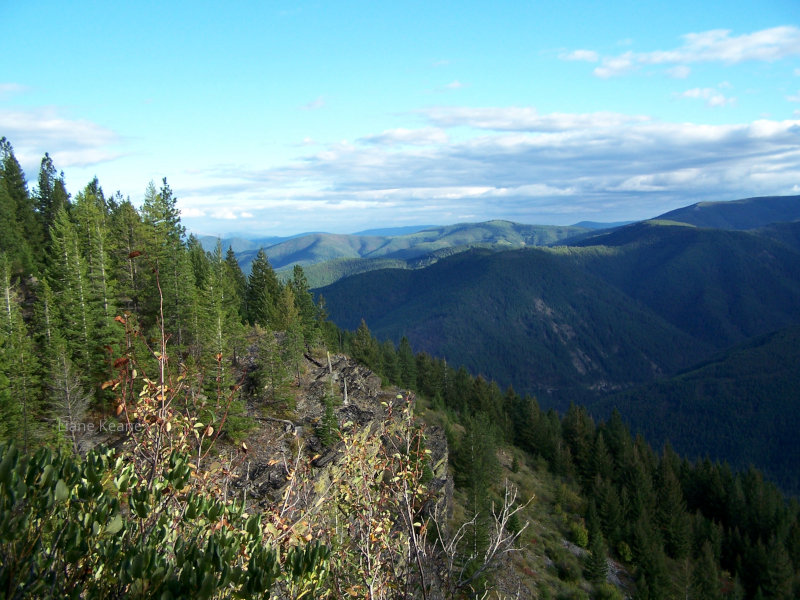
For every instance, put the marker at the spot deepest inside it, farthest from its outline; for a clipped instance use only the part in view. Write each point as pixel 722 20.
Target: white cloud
pixel 679 72
pixel 712 97
pixel 454 85
pixel 414 137
pixel 717 45
pixel 581 55
pixel 520 165
pixel 70 142
pixel 794 97
pixel 522 119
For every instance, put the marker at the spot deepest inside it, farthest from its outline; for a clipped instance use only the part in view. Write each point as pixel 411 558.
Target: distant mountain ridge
pixel 748 213
pixel 419 247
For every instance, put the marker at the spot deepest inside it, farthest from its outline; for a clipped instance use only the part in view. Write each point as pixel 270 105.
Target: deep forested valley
pixel 139 372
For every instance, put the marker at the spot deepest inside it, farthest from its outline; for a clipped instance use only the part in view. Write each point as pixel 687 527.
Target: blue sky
pixel 274 118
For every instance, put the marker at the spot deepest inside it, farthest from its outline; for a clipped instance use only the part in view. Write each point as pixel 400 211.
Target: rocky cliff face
pixel 359 400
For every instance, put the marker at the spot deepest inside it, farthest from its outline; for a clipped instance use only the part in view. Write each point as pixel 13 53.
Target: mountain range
pixel 657 318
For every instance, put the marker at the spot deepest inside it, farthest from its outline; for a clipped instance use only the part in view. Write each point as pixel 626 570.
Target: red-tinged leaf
pixel 119 408
pixel 107 384
pixel 120 319
pixel 121 362
pixel 134 254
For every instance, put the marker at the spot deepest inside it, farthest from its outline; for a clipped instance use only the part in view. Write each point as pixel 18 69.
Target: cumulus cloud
pixel 522 165
pixel 522 119
pixel 717 45
pixel 414 137
pixel 679 72
pixel 581 55
pixel 712 97
pixel 70 142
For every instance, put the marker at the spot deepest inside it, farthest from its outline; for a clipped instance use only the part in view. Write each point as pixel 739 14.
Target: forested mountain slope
pixel 746 403
pixel 639 302
pixel 531 318
pixel 718 286
pixel 748 213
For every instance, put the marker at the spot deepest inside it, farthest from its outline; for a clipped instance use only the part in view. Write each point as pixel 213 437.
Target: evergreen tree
pixel 364 348
pixel 240 281
pixel 90 215
pixel 199 260
pixel 596 559
pixel 271 376
pixel 222 332
pixel 22 228
pixel 128 243
pixel 263 290
pixel 705 576
pixel 390 366
pixel 305 304
pixel 165 248
pixel 407 363
pixel 671 516
pixel 50 196
pixel 477 469
pixel 19 378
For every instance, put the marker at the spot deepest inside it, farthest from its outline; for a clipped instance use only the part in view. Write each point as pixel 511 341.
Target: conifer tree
pixel 390 367
pixel 91 218
pixel 305 304
pixel 263 290
pixel 164 238
pixel 68 275
pixel 239 280
pixel 19 379
pixel 22 226
pixel 407 363
pixel 50 196
pixel 222 329
pixel 364 348
pixel 705 576
pixel 128 243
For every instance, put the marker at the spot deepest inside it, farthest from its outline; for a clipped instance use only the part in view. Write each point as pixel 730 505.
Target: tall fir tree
pixel 263 290
pixel 22 228
pixel 239 280
pixel 20 377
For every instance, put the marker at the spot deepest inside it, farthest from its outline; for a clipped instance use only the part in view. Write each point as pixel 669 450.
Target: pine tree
pixel 128 243
pixel 390 367
pixel 477 469
pixel 596 560
pixel 222 330
pixel 408 364
pixel 271 377
pixel 240 281
pixel 364 348
pixel 671 516
pixel 19 378
pixel 21 227
pixel 92 225
pixel 305 304
pixel 705 576
pixel 50 196
pixel 263 290
pixel 164 241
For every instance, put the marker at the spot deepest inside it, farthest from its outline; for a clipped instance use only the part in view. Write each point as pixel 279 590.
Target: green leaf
pixel 115 525
pixel 62 491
